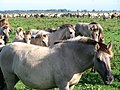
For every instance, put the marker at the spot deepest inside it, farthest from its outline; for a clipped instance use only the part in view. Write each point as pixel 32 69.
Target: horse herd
pixel 46 59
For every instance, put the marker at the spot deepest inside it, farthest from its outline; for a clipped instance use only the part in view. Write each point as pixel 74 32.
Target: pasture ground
pixel 89 81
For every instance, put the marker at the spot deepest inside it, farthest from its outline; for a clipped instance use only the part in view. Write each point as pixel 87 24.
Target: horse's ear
pixel 97 46
pixel 109 45
pixel 38 36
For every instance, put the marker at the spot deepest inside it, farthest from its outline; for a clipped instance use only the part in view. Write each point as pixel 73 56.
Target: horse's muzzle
pixel 109 80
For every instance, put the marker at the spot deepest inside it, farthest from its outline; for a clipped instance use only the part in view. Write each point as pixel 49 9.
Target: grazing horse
pixel 64 32
pixel 60 65
pixel 5 29
pixel 93 30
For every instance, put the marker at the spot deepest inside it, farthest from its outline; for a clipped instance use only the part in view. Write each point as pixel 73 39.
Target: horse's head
pixel 69 31
pixel 4 22
pixel 5 31
pixel 27 36
pixel 41 39
pixel 102 62
pixel 96 32
pixel 20 33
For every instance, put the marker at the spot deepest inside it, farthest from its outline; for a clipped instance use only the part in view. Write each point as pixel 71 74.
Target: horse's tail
pixel 2 80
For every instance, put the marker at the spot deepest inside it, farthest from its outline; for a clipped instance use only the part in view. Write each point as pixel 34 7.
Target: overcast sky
pixel 60 4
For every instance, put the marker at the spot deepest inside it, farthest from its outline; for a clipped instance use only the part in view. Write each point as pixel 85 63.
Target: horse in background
pixel 36 37
pixel 64 32
pixel 22 36
pixel 5 29
pixel 40 40
pixel 93 30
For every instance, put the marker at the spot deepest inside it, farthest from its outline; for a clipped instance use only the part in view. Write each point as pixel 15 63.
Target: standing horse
pixel 93 30
pixel 64 32
pixel 61 65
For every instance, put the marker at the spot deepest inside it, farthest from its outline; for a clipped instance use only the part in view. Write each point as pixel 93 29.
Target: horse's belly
pixel 35 78
pixel 36 81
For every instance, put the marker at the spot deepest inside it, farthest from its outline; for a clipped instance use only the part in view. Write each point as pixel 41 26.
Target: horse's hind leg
pixel 11 80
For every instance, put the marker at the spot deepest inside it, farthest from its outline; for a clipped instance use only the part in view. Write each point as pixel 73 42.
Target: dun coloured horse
pixel 40 40
pixel 22 36
pixel 61 65
pixel 93 30
pixel 36 37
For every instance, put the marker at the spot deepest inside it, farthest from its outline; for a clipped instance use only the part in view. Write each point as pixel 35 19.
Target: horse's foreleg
pixel 71 87
pixel 64 86
pixel 11 80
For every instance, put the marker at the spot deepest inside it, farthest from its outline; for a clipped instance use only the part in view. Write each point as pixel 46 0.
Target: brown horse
pixel 61 65
pixel 5 29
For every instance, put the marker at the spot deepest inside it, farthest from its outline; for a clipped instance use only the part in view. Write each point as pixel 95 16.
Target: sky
pixel 59 4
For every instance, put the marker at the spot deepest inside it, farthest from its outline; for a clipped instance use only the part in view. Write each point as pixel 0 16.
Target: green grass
pixel 89 81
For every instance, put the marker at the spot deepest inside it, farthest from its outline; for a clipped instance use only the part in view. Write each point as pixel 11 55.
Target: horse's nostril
pixel 111 78
pixel 0 43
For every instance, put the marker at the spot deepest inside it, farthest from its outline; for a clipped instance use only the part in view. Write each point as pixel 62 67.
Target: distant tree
pixel 93 10
pixel 78 11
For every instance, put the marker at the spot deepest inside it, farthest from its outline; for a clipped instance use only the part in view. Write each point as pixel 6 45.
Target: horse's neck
pixel 87 65
pixel 56 36
pixel 84 59
pixel 61 34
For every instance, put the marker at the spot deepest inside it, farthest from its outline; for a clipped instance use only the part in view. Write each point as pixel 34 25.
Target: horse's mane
pixel 66 26
pixel 3 19
pixel 28 32
pixel 78 39
pixel 93 23
pixel 89 41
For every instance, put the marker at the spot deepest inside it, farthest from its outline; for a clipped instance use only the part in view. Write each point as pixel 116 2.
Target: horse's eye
pixel 6 23
pixel 98 60
pixel 44 35
pixel 70 32
pixel 5 27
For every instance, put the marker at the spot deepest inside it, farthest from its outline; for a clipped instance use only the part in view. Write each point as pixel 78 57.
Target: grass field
pixel 89 81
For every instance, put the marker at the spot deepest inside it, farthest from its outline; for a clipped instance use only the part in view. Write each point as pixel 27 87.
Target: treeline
pixel 35 11
pixel 52 10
